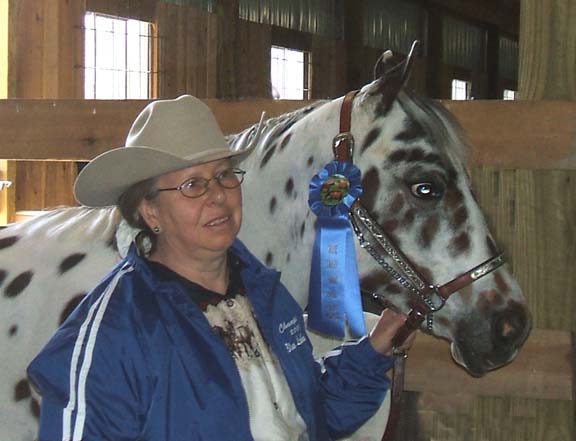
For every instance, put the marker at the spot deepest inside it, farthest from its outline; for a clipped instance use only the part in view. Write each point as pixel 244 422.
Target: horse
pixel 411 153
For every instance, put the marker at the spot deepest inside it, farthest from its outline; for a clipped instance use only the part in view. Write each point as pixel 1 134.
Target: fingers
pixel 384 331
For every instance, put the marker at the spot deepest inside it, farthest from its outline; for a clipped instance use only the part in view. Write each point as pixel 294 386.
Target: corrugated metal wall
pixel 463 44
pixel 392 24
pixel 508 58
pixel 320 17
pixel 207 5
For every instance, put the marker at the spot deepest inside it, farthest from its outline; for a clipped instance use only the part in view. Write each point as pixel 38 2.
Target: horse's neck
pixel 278 225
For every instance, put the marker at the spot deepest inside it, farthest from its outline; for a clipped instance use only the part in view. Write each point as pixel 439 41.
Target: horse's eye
pixel 426 190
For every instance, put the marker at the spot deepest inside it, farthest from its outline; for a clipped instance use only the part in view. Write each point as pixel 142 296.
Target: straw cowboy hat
pixel 167 135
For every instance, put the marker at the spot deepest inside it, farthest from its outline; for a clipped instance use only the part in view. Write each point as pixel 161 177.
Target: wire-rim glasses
pixel 196 187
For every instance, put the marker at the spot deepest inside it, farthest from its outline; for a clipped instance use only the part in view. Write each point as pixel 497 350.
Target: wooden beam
pixel 519 134
pixel 506 134
pixel 82 129
pixel 542 369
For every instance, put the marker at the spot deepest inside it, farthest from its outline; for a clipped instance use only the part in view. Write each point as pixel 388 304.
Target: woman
pixel 190 337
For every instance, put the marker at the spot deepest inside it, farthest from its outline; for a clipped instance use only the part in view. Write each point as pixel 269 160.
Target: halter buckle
pixel 343 137
pixel 427 299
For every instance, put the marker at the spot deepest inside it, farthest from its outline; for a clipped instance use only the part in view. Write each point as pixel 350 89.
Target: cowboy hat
pixel 167 135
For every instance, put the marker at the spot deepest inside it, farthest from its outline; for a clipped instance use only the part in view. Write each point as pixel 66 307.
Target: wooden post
pixel 227 12
pixel 434 54
pixel 7 193
pixel 547 50
pixel 492 61
pixel 354 38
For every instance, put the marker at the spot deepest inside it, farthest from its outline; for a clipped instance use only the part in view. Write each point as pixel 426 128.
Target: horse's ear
pixel 391 77
pixel 409 62
pixel 382 64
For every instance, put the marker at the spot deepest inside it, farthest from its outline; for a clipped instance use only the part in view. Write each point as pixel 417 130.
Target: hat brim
pixel 103 180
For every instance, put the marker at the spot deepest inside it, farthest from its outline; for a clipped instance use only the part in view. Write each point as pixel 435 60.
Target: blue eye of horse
pixel 426 190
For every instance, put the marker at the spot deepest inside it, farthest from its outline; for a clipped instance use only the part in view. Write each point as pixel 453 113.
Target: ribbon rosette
pixel 334 298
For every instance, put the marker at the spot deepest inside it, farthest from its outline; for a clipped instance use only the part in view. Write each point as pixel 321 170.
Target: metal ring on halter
pixel 339 138
pixel 399 353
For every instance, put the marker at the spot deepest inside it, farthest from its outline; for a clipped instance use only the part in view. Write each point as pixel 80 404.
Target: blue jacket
pixel 138 360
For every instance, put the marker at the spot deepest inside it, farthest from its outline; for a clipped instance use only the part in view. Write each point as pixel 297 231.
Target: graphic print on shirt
pixel 273 413
pixel 239 340
pixel 232 320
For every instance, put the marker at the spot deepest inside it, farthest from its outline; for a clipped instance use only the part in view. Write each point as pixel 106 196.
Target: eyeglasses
pixel 196 187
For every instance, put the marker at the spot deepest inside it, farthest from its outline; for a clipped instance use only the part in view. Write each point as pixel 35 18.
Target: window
pixel 509 94
pixel 461 90
pixel 290 73
pixel 118 58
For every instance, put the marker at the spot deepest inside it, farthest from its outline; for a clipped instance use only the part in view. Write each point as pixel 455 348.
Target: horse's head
pixel 411 153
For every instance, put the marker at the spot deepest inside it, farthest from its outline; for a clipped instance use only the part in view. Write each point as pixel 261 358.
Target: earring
pixel 156 230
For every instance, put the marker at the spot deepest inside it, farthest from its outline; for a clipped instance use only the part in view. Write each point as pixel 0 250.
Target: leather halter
pixel 431 298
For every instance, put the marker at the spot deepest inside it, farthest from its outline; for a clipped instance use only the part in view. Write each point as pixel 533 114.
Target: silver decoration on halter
pixel 488 267
pixel 390 249
pixel 359 214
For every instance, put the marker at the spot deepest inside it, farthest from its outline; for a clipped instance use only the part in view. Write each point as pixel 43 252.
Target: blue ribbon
pixel 334 297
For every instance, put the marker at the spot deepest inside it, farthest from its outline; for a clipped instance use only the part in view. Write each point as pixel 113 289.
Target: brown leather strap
pixel 470 276
pixel 413 321
pixel 395 399
pixel 342 140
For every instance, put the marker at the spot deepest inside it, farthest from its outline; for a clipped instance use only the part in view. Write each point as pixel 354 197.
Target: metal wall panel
pixel 464 44
pixel 508 59
pixel 321 17
pixel 207 5
pixel 392 24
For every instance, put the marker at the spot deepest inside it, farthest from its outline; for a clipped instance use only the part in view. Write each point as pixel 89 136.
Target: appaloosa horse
pixel 411 154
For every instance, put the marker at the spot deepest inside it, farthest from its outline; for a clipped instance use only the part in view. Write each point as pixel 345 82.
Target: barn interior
pixel 74 74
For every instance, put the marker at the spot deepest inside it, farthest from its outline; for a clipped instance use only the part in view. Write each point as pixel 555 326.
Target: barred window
pixel 290 73
pixel 461 90
pixel 119 57
pixel 509 94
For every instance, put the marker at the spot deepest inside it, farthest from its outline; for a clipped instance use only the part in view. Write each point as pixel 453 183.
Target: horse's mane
pixel 273 127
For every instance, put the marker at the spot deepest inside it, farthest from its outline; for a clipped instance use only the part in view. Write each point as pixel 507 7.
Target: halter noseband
pixel 431 298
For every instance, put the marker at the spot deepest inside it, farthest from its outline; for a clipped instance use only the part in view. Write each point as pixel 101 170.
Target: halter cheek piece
pixel 430 298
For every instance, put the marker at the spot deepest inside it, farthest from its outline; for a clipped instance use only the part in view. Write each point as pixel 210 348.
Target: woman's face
pixel 201 227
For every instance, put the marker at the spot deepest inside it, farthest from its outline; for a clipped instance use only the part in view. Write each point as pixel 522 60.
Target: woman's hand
pixel 383 332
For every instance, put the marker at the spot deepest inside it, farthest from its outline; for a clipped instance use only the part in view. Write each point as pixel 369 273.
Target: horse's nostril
pixel 509 328
pixel 505 331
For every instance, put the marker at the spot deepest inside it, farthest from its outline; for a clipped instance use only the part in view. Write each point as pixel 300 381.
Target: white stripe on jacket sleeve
pixel 77 391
